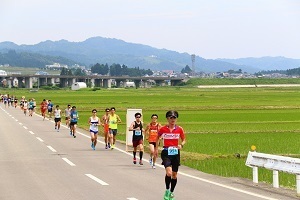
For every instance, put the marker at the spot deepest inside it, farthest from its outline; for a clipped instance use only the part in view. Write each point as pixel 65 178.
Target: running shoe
pixel 134 160
pixel 141 163
pixel 153 167
pixel 74 136
pixel 150 161
pixel 171 196
pixel 71 133
pixel 167 195
pixel 109 145
pixel 112 147
pixel 57 130
pixel 55 127
pixel 92 145
pixel 106 146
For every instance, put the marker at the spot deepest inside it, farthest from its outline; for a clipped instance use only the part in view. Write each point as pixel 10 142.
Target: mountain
pixel 266 63
pixel 26 59
pixel 108 50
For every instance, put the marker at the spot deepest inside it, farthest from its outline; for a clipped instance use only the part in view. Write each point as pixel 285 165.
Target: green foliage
pixel 100 69
pixel 66 72
pixel 187 70
pixel 26 59
pixel 78 72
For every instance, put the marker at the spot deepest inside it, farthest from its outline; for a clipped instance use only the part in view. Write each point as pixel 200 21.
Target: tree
pixel 186 69
pixel 79 72
pixel 66 72
pixel 100 69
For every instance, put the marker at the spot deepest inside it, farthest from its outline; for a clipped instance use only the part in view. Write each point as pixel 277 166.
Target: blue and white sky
pixel 208 28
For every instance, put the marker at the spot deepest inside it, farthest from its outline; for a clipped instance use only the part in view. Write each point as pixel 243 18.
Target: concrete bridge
pixel 28 81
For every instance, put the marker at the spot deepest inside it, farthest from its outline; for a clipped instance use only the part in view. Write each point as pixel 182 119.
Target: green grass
pixel 220 123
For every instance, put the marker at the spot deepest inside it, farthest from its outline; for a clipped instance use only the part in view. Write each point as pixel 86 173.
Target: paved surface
pixel 36 162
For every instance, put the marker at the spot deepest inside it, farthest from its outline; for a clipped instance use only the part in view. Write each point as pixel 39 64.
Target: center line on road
pixel 20 123
pixel 39 139
pixel 51 148
pixel 32 133
pixel 25 127
pixel 132 198
pixel 68 161
pixel 96 179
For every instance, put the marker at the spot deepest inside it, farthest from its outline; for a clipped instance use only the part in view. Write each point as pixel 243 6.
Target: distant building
pixel 3 73
pixel 56 66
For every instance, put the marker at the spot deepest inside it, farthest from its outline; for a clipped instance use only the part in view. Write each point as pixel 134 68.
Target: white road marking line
pixel 96 179
pixel 40 139
pixel 132 198
pixel 17 120
pixel 25 127
pixel 32 133
pixel 51 148
pixel 20 123
pixel 68 161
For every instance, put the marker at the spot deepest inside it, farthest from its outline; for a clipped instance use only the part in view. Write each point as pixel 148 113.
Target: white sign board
pixel 129 119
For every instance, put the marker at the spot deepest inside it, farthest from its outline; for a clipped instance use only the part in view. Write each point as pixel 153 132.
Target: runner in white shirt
pixel 94 122
pixel 57 117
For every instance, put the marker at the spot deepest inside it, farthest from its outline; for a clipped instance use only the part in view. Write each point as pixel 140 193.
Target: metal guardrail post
pixel 275 179
pixel 255 174
pixel 298 184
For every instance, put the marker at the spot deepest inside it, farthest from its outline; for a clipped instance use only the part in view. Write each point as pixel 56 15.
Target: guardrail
pixel 276 163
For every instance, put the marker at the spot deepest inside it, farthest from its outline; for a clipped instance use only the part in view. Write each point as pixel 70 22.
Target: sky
pixel 208 28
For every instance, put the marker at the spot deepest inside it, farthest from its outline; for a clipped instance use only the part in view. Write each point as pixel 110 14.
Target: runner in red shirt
pixel 151 133
pixel 171 134
pixel 44 105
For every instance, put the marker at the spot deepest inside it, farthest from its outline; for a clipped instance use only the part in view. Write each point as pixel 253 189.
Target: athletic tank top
pixel 137 134
pixel 113 122
pixel 57 113
pixel 93 126
pixel 153 132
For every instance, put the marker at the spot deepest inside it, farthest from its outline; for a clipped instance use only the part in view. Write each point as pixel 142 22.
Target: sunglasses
pixel 173 117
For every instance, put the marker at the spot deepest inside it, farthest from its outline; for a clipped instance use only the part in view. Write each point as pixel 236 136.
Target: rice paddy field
pixel 220 124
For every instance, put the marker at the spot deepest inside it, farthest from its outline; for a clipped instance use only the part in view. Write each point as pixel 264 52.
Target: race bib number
pixel 74 117
pixel 172 151
pixel 138 132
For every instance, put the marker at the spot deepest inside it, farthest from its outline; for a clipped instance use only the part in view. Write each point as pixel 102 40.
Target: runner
pixel 25 107
pixel 105 125
pixel 50 108
pixel 137 137
pixel 30 107
pixel 44 108
pixel 171 133
pixel 16 102
pixel 34 105
pixel 94 122
pixel 113 119
pixel 151 132
pixel 74 119
pixel 57 117
pixel 67 115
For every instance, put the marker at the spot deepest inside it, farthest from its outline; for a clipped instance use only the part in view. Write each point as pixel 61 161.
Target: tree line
pixel 113 70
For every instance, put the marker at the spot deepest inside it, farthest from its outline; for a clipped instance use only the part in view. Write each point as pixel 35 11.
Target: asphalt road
pixel 36 162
